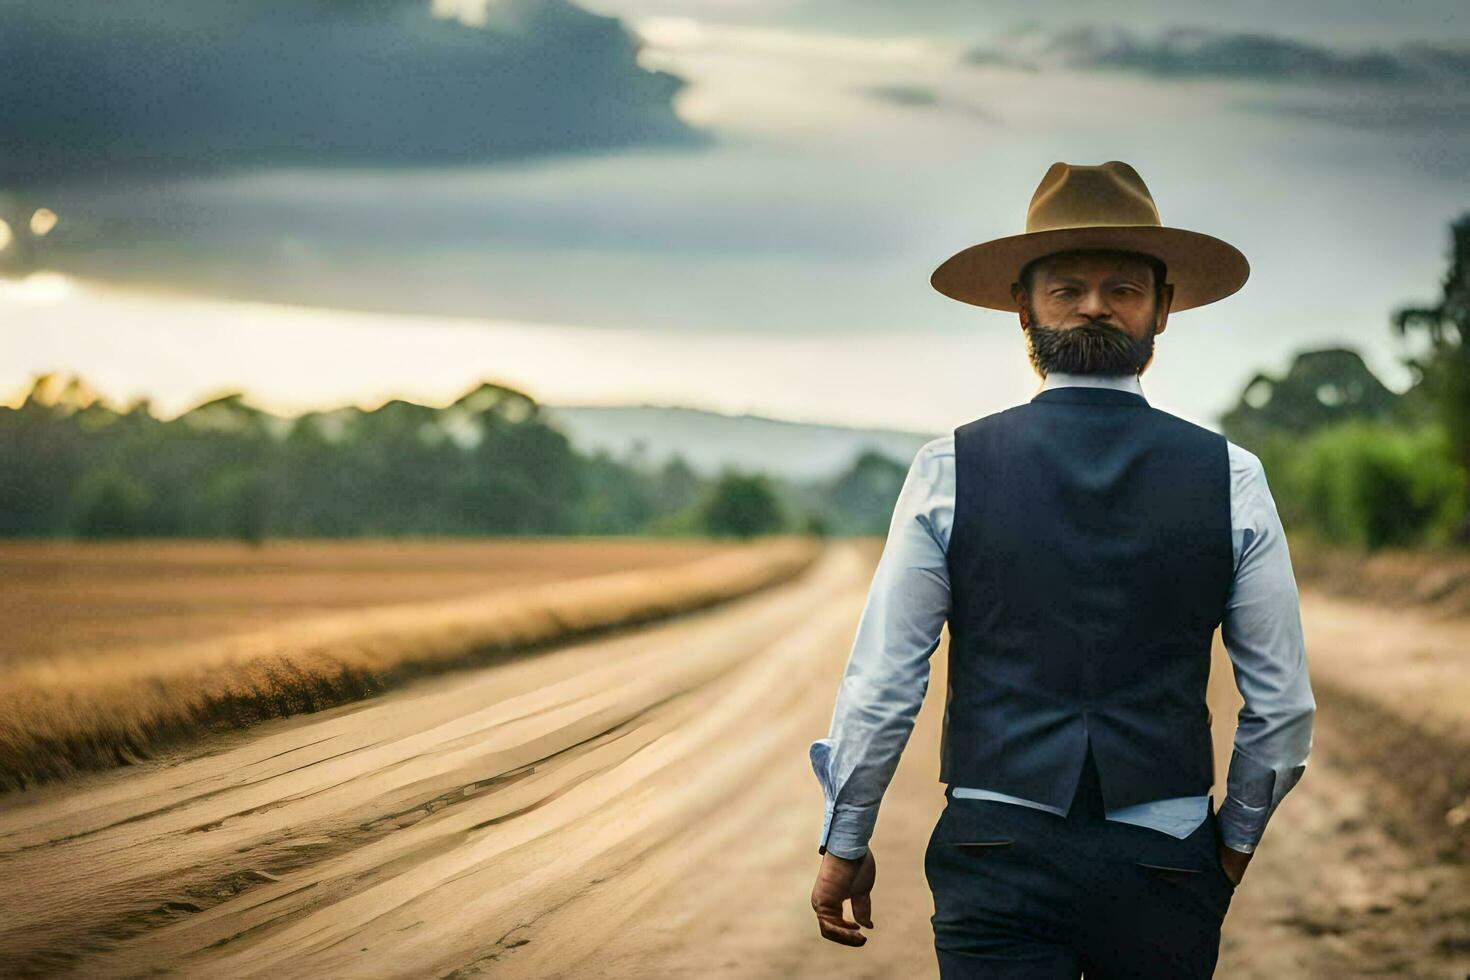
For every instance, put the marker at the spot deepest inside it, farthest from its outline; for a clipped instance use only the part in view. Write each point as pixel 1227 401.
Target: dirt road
pixel 635 806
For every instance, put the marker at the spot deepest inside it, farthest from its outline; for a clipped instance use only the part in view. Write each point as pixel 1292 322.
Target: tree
pixel 1321 388
pixel 1442 372
pixel 677 486
pixel 109 503
pixel 861 500
pixel 742 505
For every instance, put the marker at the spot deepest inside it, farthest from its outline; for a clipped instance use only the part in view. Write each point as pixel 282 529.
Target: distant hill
pixel 709 441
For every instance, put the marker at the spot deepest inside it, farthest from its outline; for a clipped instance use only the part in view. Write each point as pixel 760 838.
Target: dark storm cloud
pixel 1191 52
pixel 169 87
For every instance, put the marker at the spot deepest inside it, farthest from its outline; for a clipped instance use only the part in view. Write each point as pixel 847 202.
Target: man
pixel 1083 548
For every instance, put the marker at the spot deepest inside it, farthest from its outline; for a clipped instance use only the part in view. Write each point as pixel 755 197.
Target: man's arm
pixel 1262 631
pixel 882 687
pixel 887 671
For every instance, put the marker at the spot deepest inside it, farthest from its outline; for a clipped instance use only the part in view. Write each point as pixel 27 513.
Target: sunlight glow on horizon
pixel 36 289
pixel 180 351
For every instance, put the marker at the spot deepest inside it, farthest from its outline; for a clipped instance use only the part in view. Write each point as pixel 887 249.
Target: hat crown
pixel 1080 196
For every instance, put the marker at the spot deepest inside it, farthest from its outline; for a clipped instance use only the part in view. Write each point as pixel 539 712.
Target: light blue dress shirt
pixel 887 672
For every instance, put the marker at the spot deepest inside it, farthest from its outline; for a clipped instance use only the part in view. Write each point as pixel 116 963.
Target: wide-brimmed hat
pixel 1106 206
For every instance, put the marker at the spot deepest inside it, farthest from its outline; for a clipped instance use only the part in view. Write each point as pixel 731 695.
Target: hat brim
pixel 1202 268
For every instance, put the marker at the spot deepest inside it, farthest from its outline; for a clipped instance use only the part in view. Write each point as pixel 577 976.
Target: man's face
pixel 1092 313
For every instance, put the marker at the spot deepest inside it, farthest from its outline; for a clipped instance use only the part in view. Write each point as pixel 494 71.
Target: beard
pixel 1092 348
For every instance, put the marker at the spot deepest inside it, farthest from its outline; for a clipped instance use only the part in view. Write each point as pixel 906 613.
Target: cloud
pixel 1417 90
pixel 161 88
pixel 685 34
pixel 924 97
pixel 1396 117
pixel 1192 52
pixel 905 95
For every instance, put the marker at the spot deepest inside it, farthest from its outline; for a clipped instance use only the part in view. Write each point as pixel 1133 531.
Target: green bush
pixel 1371 485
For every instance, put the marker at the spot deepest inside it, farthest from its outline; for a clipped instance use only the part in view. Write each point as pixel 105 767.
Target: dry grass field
pixel 81 706
pixel 79 598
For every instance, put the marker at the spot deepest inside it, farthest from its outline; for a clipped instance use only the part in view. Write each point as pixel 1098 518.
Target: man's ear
pixel 1166 300
pixel 1018 295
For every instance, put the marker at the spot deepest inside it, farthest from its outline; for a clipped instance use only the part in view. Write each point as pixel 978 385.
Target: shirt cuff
pixel 1253 792
pixel 846 831
pixel 845 828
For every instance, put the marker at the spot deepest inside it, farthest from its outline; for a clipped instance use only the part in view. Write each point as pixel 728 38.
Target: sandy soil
pixel 637 806
pixel 1413 663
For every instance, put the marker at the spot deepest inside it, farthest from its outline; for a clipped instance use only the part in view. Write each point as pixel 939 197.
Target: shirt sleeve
pixel 1262 632
pixel 887 672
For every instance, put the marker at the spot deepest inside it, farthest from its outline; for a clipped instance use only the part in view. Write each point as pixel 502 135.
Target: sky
pixel 744 219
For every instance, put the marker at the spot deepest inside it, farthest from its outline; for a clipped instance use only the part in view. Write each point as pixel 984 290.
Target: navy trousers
pixel 1020 892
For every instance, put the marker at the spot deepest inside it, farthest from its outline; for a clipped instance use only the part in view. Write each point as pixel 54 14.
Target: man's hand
pixel 1234 862
pixel 839 880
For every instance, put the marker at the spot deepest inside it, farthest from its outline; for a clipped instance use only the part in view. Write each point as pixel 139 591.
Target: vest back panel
pixel 1089 560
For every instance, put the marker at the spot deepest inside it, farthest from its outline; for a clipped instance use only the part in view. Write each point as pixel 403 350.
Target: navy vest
pixel 1089 563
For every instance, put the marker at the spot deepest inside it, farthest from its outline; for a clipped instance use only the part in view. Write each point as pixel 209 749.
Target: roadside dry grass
pixel 67 713
pixel 87 597
pixel 1436 580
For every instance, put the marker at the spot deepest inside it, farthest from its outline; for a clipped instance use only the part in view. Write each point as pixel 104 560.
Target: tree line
pixel 72 465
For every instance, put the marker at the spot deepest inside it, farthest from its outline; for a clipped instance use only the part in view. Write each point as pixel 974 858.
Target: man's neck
pixel 1059 379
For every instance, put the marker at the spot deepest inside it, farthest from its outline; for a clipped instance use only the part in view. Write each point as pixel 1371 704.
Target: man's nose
pixel 1093 304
